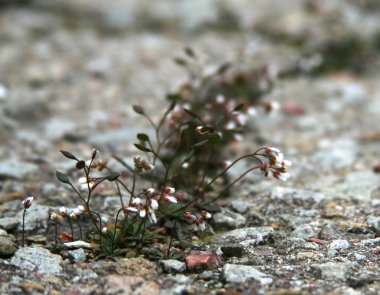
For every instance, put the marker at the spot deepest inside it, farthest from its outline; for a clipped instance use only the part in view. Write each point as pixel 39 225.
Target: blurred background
pixel 71 69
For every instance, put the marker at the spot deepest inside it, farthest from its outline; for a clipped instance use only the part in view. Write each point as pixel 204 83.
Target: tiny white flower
pixel 81 208
pixel 154 204
pixel 242 119
pixel 281 175
pixel 150 190
pixel 53 216
pixel 142 213
pixel 171 199
pixel 136 201
pixel 238 137
pixel 231 125
pixel 63 211
pixel 169 190
pixel 77 211
pixel 130 209
pixel 152 216
pixel 252 111
pixel 104 230
pixel 220 99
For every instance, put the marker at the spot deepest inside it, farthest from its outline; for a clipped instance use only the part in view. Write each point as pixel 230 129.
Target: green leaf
pixel 180 61
pixel 68 155
pixel 113 176
pixel 239 107
pixel 142 148
pixel 173 97
pixel 223 68
pixel 214 138
pixel 189 52
pixel 198 144
pixel 138 109
pixel 142 137
pixel 62 177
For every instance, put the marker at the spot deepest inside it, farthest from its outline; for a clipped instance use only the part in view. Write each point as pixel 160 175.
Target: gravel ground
pixel 69 72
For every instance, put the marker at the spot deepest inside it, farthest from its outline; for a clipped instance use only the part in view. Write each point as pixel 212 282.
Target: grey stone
pixel 172 265
pixel 78 255
pixel 77 244
pixel 37 259
pixel 242 234
pixel 303 231
pixel 9 223
pixel 36 218
pixel 374 221
pixel 16 168
pixel 291 243
pixel 336 246
pixel 84 275
pixel 7 246
pixel 240 206
pixel 234 273
pixel 329 232
pixel 206 275
pixel 356 186
pixel 3 232
pixel 229 219
pixel 331 271
pixel 284 193
pixel 359 257
pixel 337 154
pixel 181 279
pixel 294 221
pixel 370 242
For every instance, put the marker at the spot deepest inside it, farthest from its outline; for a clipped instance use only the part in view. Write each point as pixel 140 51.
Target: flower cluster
pixel 198 219
pixel 277 165
pixel 149 204
pixel 63 213
pixel 142 165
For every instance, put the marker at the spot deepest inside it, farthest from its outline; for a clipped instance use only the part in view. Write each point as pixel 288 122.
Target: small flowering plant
pixel 180 171
pixel 26 205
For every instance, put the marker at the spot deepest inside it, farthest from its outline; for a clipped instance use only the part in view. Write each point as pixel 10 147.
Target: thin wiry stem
pixel 99 229
pixel 114 231
pixel 231 184
pixel 71 226
pixel 23 227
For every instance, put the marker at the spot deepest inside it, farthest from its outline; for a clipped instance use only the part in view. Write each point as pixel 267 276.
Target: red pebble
pixel 293 108
pixel 209 260
pixel 315 240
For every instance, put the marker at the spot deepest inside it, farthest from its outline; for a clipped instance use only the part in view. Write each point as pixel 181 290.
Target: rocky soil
pixel 69 73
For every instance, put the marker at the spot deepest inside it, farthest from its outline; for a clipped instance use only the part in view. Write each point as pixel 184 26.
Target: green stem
pixel 99 229
pixel 120 195
pixel 143 230
pixel 114 232
pixel 23 227
pixel 232 164
pixel 80 230
pixel 56 234
pixel 78 193
pixel 71 227
pixel 171 238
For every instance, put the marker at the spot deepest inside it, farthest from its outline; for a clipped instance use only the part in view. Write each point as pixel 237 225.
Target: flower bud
pixel 27 202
